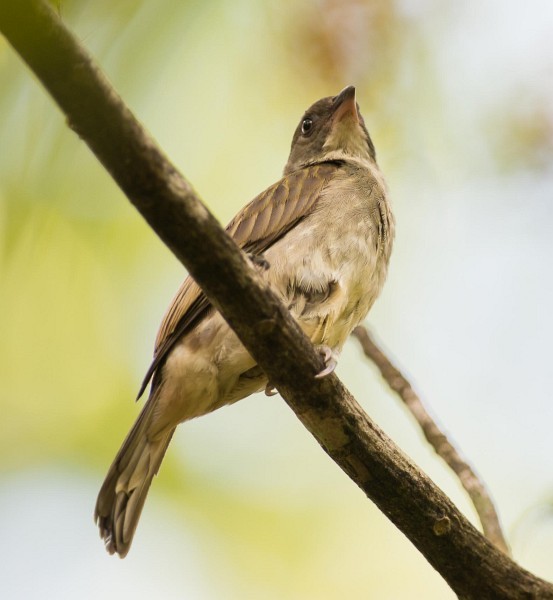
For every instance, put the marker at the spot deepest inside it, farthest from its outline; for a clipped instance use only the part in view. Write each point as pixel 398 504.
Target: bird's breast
pixel 330 268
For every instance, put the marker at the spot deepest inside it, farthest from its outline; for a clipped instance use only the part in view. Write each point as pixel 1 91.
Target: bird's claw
pixel 259 260
pixel 329 360
pixel 270 390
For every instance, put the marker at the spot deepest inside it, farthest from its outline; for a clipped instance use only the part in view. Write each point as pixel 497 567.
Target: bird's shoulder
pixel 273 212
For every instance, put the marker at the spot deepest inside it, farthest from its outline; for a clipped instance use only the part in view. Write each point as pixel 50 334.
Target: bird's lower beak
pixel 345 105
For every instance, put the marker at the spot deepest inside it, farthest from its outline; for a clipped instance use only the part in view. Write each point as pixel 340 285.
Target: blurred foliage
pixel 521 133
pixel 331 43
pixel 84 282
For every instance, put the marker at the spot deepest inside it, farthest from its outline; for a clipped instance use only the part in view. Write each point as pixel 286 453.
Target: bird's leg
pixel 329 359
pixel 259 260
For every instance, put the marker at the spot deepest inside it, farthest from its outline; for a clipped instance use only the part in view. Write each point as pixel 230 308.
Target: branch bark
pixel 475 488
pixel 470 564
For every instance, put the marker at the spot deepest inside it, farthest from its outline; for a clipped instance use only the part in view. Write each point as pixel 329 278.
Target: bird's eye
pixel 306 126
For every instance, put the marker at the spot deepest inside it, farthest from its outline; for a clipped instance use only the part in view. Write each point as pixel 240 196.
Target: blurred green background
pixel 458 99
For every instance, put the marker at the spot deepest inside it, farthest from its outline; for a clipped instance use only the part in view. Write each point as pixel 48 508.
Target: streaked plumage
pixel 326 231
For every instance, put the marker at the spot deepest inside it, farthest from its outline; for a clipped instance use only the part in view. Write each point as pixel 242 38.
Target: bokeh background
pixel 458 99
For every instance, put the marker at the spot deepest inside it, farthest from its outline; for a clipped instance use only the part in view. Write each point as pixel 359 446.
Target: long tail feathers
pixel 126 486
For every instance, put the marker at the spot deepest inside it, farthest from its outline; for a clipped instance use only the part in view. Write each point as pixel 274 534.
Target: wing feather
pixel 255 228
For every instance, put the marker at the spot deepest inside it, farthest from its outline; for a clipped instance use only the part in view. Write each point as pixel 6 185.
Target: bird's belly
pixel 331 321
pixel 328 281
pixel 203 372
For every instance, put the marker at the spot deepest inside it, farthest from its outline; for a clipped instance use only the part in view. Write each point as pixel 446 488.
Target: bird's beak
pixel 344 105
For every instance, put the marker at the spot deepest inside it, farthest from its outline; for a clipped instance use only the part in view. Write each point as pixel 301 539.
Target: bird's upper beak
pixel 344 105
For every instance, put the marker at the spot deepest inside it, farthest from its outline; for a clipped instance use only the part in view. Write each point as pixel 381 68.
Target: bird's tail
pixel 126 486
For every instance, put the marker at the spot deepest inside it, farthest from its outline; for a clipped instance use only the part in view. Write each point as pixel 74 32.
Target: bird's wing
pixel 255 228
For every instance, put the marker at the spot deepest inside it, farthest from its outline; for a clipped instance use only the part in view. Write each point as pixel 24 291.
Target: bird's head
pixel 331 129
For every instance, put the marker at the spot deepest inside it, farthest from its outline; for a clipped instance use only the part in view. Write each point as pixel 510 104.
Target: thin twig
pixel 437 439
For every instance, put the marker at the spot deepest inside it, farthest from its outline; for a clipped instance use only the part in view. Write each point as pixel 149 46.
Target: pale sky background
pixel 458 99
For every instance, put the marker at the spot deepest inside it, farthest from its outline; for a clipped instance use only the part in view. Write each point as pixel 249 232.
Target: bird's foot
pixel 329 358
pixel 270 390
pixel 259 260
pixel 330 361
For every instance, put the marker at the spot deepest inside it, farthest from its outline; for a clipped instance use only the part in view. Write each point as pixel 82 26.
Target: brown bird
pixel 323 237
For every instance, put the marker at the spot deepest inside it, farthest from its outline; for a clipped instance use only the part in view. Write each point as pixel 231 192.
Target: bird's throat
pixel 347 138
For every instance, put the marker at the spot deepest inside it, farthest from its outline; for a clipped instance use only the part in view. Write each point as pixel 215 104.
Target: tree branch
pixel 437 439
pixel 471 565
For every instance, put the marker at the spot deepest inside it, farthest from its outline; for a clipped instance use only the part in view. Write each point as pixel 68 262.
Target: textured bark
pixel 471 565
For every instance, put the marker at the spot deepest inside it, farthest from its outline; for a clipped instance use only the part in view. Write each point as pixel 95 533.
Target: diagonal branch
pixel 471 565
pixel 437 439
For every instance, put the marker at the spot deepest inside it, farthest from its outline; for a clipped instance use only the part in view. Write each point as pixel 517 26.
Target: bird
pixel 321 236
